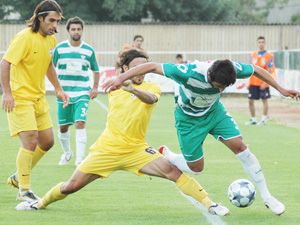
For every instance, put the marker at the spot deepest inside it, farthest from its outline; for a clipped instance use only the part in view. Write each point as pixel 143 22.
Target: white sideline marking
pixel 212 219
pixel 103 106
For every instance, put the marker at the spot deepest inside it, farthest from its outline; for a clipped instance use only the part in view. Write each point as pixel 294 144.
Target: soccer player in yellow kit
pixel 23 70
pixel 122 145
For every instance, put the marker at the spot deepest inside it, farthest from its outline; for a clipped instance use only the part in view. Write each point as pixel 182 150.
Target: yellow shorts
pixel 29 115
pixel 105 163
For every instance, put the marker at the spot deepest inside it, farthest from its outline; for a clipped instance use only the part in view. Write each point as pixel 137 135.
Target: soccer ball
pixel 241 193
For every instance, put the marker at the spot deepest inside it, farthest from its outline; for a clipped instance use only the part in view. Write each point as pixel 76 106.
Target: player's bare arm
pixel 145 96
pixel 94 91
pixel 267 77
pixel 52 77
pixel 116 83
pixel 8 102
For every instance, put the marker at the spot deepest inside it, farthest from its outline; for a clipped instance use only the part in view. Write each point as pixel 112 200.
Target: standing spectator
pixel 258 89
pixel 136 45
pixel 137 42
pixel 179 59
pixel 73 59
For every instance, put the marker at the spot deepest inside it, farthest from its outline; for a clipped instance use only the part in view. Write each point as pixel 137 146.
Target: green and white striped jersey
pixel 73 65
pixel 194 95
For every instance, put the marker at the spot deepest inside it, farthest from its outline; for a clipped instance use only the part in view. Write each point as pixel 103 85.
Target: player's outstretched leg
pixel 52 195
pixel 77 181
pixel 187 185
pixel 176 159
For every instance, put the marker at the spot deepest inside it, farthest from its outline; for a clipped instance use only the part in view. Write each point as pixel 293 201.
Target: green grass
pixel 127 199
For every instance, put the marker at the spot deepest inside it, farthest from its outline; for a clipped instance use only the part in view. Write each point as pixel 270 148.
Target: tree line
pixel 224 11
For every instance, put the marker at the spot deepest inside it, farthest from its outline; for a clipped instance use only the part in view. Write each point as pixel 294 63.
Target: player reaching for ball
pixel 122 145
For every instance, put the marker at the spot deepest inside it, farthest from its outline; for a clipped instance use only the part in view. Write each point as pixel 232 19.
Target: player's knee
pixel 48 144
pixel 172 172
pixel 80 125
pixel 32 144
pixel 240 148
pixel 196 168
pixel 64 129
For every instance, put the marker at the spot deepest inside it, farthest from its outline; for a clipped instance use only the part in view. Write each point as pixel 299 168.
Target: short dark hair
pixel 43 9
pixel 179 56
pixel 127 56
pixel 261 38
pixel 222 72
pixel 74 20
pixel 138 36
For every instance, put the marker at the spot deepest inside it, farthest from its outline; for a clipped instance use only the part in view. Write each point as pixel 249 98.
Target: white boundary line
pixel 212 219
pixel 102 105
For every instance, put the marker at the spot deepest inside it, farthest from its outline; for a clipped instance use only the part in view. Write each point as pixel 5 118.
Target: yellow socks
pixel 38 154
pixel 191 187
pixel 54 194
pixel 24 162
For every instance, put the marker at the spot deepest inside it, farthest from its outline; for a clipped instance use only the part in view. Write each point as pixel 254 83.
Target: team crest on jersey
pixel 263 61
pixel 182 67
pixel 83 56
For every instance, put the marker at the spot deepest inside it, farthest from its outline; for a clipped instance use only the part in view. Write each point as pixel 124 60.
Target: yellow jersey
pixel 127 121
pixel 30 56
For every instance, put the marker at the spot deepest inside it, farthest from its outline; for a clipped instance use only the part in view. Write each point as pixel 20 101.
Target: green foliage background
pixel 233 11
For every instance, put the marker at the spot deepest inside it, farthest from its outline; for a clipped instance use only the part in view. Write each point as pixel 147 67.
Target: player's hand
pixel 112 84
pixel 290 93
pixel 93 93
pixel 127 86
pixel 63 96
pixel 8 102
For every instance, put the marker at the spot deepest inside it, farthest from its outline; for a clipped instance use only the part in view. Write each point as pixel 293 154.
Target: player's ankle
pixel 207 202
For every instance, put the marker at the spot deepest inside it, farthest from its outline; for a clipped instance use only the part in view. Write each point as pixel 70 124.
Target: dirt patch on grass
pixel 281 110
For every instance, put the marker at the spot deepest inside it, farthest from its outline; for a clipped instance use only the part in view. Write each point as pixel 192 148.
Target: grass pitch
pixel 127 199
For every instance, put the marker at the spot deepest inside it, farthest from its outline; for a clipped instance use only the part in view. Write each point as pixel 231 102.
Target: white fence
pixel 287 78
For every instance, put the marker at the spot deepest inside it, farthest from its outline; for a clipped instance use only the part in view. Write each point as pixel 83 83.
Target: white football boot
pixel 219 210
pixel 274 205
pixel 26 205
pixel 28 196
pixel 13 181
pixel 65 158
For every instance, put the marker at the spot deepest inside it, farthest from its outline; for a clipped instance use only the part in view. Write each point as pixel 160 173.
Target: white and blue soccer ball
pixel 241 193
